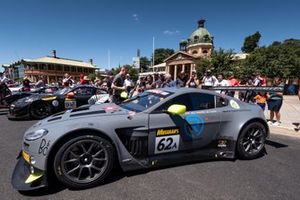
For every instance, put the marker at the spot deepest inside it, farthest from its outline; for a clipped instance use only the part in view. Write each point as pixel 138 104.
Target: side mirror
pixel 70 95
pixel 177 109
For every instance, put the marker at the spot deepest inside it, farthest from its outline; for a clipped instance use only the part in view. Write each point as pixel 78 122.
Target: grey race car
pixel 156 128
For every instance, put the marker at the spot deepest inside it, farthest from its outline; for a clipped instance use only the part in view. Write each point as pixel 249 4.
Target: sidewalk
pixel 290 113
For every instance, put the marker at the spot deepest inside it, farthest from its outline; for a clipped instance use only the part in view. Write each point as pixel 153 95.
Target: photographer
pixel 193 82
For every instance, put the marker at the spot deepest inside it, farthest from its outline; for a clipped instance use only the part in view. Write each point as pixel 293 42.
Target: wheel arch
pixel 73 134
pixel 255 120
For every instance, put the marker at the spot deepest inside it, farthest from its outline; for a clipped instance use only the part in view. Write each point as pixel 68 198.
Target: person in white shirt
pixel 221 82
pixel 208 80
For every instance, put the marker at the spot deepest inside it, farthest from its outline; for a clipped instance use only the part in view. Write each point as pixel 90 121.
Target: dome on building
pixel 201 35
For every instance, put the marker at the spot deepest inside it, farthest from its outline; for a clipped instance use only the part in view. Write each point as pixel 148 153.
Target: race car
pixel 156 128
pixel 9 99
pixel 39 106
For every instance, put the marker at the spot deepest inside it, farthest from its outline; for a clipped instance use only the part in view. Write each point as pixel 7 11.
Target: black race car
pixel 9 99
pixel 39 106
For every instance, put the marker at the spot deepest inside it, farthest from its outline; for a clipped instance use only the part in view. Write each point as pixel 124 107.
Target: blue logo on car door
pixel 196 123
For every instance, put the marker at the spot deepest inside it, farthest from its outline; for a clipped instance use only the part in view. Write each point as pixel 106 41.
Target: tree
pixel 131 71
pixel 92 76
pixel 144 64
pixel 220 63
pixel 161 54
pixel 251 42
pixel 279 59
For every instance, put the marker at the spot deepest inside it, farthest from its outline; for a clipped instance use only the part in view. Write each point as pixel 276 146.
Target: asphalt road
pixel 273 176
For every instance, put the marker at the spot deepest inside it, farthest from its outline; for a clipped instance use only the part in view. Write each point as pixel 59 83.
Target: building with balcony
pixel 51 67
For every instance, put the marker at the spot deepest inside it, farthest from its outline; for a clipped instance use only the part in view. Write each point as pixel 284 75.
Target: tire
pixel 84 161
pixel 40 110
pixel 251 141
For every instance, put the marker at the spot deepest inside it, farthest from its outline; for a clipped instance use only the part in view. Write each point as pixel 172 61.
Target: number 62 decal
pixel 166 144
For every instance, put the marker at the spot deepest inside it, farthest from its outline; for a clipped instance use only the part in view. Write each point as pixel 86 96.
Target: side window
pixel 183 99
pixel 100 91
pixel 202 101
pixel 83 91
pixel 221 102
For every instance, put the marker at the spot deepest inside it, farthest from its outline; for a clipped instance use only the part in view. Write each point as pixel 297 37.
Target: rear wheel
pixel 40 110
pixel 251 141
pixel 84 161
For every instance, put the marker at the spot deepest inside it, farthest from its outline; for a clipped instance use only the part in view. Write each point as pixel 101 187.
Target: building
pixel 52 68
pixel 198 45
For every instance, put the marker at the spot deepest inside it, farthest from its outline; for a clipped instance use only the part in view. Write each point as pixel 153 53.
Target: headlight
pixel 36 134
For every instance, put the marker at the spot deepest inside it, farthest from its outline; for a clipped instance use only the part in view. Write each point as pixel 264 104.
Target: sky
pixel 84 29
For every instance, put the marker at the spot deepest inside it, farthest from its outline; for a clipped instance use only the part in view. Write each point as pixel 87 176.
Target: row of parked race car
pixel 42 102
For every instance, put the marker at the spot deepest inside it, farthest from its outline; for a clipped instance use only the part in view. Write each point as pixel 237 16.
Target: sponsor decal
pixel 164 132
pixel 234 104
pixel 55 103
pixel 44 146
pixel 110 109
pixel 222 143
pixel 167 140
pixel 196 127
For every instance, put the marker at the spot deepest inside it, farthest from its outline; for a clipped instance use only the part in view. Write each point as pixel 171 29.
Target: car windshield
pixel 145 100
pixel 62 91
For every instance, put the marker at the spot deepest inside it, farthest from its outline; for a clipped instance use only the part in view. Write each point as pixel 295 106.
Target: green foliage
pixel 92 76
pixel 161 54
pixel 220 63
pixel 131 70
pixel 144 63
pixel 251 42
pixel 278 59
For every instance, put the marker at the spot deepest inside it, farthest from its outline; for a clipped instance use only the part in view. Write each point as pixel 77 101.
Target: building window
pixel 85 70
pixel 196 38
pixel 79 69
pixel 73 69
pixel 204 51
pixel 58 67
pixel 194 52
pixel 67 68
pixel 50 67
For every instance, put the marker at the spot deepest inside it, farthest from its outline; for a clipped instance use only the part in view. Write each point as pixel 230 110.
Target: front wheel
pixel 40 110
pixel 251 141
pixel 84 161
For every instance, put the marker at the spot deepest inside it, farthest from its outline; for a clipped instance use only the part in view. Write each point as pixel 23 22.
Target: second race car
pixel 39 106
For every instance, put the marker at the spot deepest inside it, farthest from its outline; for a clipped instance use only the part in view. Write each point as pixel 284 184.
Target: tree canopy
pixel 161 54
pixel 251 42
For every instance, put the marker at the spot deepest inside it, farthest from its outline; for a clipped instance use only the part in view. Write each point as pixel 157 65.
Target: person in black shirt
pixel 117 85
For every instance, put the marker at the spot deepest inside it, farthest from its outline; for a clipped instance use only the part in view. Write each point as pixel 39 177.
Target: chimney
pixel 91 60
pixel 54 53
pixel 201 23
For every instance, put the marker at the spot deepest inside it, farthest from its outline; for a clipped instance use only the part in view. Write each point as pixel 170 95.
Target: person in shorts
pixel 118 85
pixel 274 102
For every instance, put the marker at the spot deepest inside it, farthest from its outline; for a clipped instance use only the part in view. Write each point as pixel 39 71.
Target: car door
pixel 82 95
pixel 193 130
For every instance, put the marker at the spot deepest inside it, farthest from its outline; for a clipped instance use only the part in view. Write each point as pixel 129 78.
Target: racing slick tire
pixel 84 161
pixel 251 141
pixel 40 110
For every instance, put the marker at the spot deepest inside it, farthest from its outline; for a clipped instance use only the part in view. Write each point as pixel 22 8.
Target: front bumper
pixel 18 112
pixel 24 180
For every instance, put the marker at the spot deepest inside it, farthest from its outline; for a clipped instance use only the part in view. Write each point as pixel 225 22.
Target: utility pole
pixel 153 50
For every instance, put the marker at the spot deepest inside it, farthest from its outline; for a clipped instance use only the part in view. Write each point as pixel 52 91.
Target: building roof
pixel 60 61
pixel 159 65
pixel 200 35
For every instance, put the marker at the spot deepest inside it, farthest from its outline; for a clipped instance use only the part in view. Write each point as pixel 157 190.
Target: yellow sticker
pixel 48 98
pixel 164 132
pixel 26 156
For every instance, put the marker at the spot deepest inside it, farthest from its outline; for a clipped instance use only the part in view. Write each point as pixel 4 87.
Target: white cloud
pixel 170 32
pixel 135 17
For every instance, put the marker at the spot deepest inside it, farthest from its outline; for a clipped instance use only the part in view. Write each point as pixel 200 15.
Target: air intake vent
pixel 88 113
pixel 54 118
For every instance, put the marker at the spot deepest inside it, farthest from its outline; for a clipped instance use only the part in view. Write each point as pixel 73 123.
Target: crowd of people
pixel 122 82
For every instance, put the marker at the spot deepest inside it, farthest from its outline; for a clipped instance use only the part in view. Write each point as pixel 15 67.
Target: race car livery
pixel 39 106
pixel 156 128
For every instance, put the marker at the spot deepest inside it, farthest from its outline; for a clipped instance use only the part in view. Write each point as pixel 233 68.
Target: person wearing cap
pixel 208 80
